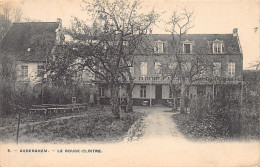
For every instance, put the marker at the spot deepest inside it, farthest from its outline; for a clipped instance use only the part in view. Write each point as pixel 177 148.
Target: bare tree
pixel 8 13
pixel 17 14
pixel 106 47
pixel 187 68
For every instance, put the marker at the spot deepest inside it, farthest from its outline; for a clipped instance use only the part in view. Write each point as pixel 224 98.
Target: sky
pixel 211 17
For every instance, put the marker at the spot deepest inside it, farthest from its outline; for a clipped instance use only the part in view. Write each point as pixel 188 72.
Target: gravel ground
pixel 156 123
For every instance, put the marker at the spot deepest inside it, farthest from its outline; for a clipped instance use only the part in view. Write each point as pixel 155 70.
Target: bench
pixel 123 108
pixel 38 109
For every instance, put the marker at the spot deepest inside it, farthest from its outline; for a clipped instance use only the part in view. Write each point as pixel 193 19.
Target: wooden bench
pixel 123 108
pixel 38 109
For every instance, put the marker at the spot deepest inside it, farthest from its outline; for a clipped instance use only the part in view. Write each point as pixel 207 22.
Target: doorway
pixel 158 92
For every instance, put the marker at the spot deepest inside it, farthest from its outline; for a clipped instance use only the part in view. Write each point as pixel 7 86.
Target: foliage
pixel 222 118
pixel 63 95
pixel 87 126
pixel 14 97
pixel 7 81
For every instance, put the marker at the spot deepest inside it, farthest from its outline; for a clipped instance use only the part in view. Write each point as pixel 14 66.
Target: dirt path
pixel 157 124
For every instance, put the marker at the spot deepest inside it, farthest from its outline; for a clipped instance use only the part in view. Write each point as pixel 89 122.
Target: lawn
pixel 96 124
pixel 211 128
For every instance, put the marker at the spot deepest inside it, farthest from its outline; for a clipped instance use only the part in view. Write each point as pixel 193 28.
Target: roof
pixel 231 42
pixel 19 38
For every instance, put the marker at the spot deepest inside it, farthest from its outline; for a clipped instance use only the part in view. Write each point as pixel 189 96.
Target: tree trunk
pixel 182 100
pixel 129 100
pixel 114 101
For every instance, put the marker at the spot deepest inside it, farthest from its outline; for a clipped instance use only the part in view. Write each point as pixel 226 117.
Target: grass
pixel 210 128
pixel 93 125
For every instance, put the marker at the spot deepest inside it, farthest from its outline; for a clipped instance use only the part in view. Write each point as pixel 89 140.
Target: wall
pixel 137 88
pixel 165 91
pixel 165 58
pixel 32 78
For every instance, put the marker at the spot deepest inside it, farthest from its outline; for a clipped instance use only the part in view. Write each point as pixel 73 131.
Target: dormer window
pixel 217 47
pixel 159 47
pixel 187 47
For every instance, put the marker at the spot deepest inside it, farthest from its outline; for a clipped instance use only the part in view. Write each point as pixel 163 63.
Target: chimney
pixel 235 34
pixel 150 31
pixel 59 32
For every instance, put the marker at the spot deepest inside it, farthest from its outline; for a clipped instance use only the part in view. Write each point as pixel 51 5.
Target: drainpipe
pixel 150 94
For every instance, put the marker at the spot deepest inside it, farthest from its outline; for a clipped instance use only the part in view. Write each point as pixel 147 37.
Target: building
pixel 151 85
pixel 29 43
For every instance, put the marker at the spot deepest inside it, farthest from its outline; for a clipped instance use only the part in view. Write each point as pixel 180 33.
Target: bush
pixel 222 118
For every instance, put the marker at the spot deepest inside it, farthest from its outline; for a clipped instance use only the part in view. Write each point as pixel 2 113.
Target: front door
pixel 158 92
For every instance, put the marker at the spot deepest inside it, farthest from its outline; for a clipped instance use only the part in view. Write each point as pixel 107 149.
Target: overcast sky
pixel 211 17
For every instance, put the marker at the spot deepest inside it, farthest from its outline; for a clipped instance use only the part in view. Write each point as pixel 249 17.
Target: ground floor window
pixel 101 92
pixel 143 91
pixel 201 90
pixel 187 92
pixel 170 93
pixel 215 90
pixel 24 71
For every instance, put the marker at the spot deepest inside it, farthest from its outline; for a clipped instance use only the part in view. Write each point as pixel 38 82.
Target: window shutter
pixel 164 47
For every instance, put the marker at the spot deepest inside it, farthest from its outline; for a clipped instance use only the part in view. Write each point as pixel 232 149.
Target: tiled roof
pixel 19 38
pixel 231 43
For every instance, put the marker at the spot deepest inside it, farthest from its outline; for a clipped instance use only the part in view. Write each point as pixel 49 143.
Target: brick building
pixel 152 87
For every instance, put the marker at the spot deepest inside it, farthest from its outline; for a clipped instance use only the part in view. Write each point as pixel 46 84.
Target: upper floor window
pixel 217 69
pixel 159 47
pixel 231 69
pixel 40 71
pixel 143 68
pixel 217 46
pixel 203 72
pixel 24 72
pixel 172 65
pixel 157 68
pixel 132 70
pixel 187 48
pixel 143 91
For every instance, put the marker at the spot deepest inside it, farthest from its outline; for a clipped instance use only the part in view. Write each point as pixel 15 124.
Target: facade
pixel 152 86
pixel 19 42
pixel 25 42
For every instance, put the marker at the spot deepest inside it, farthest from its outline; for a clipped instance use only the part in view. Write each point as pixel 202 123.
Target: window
pixel 203 72
pixel 187 48
pixel 201 90
pixel 157 68
pixel 101 92
pixel 143 68
pixel 186 66
pixel 40 71
pixel 170 93
pixel 188 93
pixel 24 71
pixel 132 70
pixel 159 47
pixel 231 69
pixel 172 65
pixel 217 69
pixel 217 47
pixel 143 91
